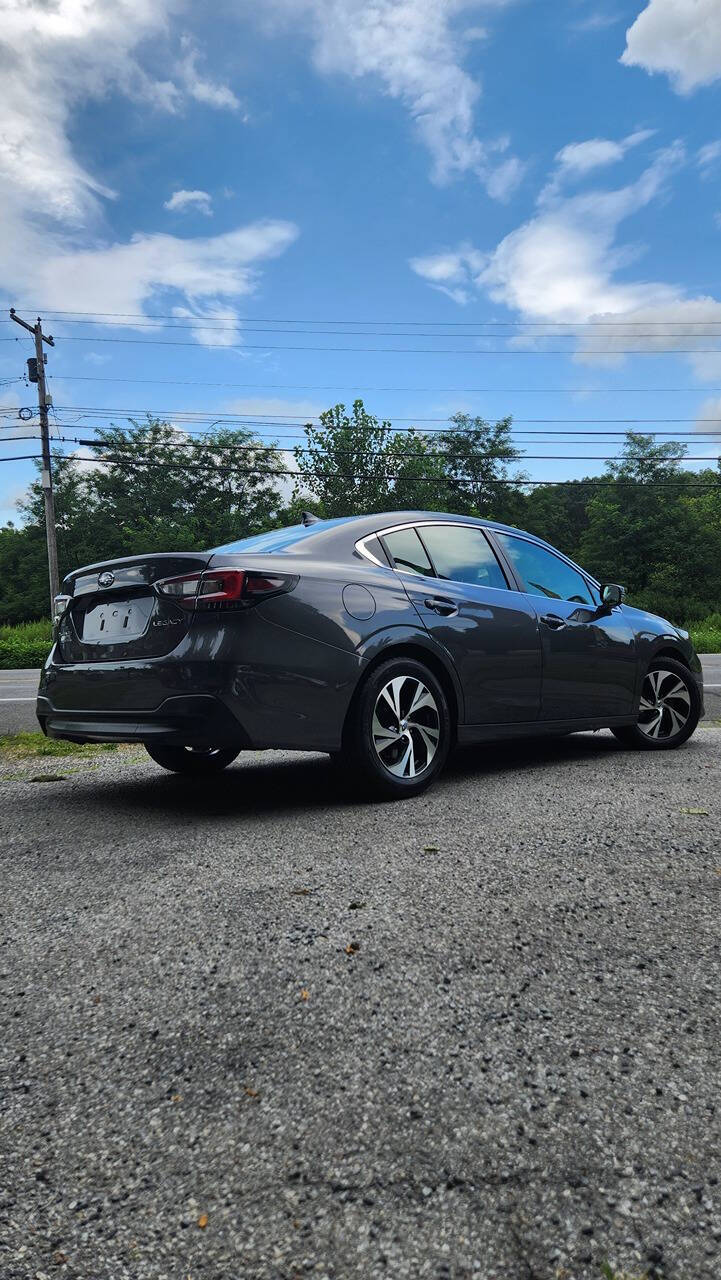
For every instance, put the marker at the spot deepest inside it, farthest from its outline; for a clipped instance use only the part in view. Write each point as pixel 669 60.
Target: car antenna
pixel 308 518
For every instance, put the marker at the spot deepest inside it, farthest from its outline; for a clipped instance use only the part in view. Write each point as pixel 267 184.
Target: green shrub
pixel 25 645
pixel 706 635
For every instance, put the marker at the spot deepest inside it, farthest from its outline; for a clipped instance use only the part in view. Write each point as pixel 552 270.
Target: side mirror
pixel 612 594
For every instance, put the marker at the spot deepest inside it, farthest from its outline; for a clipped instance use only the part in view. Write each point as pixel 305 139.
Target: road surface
pixel 18 689
pixel 253 1029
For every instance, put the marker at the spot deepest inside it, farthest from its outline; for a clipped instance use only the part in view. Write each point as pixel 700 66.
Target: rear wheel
pixel 669 708
pixel 399 733
pixel 197 761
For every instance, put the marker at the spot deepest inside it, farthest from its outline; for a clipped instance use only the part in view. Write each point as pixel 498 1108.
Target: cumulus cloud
pixel 181 200
pixel 561 269
pixel 54 247
pixel 414 50
pixel 123 277
pixel 681 38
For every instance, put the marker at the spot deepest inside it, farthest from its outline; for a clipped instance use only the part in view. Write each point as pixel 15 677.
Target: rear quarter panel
pixel 297 667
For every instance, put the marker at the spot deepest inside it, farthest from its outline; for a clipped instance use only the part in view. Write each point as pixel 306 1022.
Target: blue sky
pixel 519 190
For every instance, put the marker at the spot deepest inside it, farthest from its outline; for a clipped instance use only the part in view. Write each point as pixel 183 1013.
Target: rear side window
pixel 407 552
pixel 464 555
pixel 543 573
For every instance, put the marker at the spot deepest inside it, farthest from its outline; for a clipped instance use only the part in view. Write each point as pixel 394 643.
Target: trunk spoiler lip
pixel 199 559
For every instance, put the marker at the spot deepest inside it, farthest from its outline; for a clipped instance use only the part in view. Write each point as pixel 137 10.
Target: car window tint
pixel 407 553
pixel 543 573
pixel 463 554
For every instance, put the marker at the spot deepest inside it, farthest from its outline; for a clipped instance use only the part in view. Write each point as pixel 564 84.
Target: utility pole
pixel 36 373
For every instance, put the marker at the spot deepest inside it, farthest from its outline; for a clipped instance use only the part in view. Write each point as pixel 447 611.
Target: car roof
pixel 341 532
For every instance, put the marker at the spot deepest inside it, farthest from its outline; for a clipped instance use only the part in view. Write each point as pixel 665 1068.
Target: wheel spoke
pixel 676 721
pixel 653 679
pixel 421 698
pixel 406 766
pixel 392 695
pixel 656 725
pixel 430 738
pixel 382 734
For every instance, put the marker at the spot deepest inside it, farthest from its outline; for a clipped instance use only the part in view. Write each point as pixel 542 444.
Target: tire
pixel 669 709
pixel 393 747
pixel 194 761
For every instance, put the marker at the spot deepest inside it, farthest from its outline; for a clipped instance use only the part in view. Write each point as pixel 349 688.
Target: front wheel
pixel 196 761
pixel 399 733
pixel 668 711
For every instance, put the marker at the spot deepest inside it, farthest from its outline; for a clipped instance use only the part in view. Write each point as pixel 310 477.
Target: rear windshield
pixel 280 539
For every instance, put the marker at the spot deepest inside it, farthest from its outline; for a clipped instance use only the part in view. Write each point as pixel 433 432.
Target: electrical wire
pixel 684 483
pixel 141 315
pixel 336 386
pixel 413 351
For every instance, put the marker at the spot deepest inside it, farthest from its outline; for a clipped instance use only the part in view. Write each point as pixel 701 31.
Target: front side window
pixel 463 554
pixel 407 552
pixel 544 574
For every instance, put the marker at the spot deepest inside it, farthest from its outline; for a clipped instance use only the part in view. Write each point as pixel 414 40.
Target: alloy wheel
pixel 406 727
pixel 665 705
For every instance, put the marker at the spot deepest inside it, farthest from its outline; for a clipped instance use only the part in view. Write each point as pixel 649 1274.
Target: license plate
pixel 117 620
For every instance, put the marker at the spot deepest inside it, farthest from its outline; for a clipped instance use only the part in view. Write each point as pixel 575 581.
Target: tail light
pixel 60 604
pixel 224 588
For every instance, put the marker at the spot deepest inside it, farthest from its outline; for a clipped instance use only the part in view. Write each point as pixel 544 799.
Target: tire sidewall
pixel 360 746
pixel 192 765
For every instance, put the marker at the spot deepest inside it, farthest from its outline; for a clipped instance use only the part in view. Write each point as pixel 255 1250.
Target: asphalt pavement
pixel 18 690
pixel 253 1029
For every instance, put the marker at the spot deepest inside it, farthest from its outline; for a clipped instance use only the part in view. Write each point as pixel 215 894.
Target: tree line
pixel 646 521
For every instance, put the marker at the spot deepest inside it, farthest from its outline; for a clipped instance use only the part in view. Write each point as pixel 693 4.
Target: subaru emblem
pixel 106 579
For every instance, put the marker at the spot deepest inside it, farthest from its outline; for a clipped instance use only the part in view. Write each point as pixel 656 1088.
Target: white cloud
pixel 597 21
pixel 679 37
pixel 207 271
pixel 276 408
pixel 198 86
pixel 709 416
pixel 561 268
pixel 413 49
pixel 181 200
pixel 707 156
pixel 581 158
pixel 54 249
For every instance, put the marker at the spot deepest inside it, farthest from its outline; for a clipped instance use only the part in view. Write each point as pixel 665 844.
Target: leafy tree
pixel 346 461
pixel 645 530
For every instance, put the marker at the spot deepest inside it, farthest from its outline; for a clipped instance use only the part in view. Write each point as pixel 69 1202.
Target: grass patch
pixel 27 746
pixel 706 635
pixel 25 645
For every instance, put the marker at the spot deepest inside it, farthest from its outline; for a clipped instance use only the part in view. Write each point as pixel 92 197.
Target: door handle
pixel 553 621
pixel 439 604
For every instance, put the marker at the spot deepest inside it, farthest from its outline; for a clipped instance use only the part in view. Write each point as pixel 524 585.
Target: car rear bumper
pixel 199 720
pixel 292 694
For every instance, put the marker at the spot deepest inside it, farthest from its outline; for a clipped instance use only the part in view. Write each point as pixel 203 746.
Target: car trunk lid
pixel 114 610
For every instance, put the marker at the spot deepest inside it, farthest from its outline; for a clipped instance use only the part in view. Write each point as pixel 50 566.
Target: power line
pixel 425 351
pixel 302 419
pixel 210 446
pixel 141 315
pixel 634 484
pixel 572 331
pixel 336 386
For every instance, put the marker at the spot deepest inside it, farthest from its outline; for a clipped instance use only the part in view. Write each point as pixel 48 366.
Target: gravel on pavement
pixel 254 1029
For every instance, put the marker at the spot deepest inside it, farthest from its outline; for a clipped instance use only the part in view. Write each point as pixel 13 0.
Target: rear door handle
pixel 553 621
pixel 439 604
